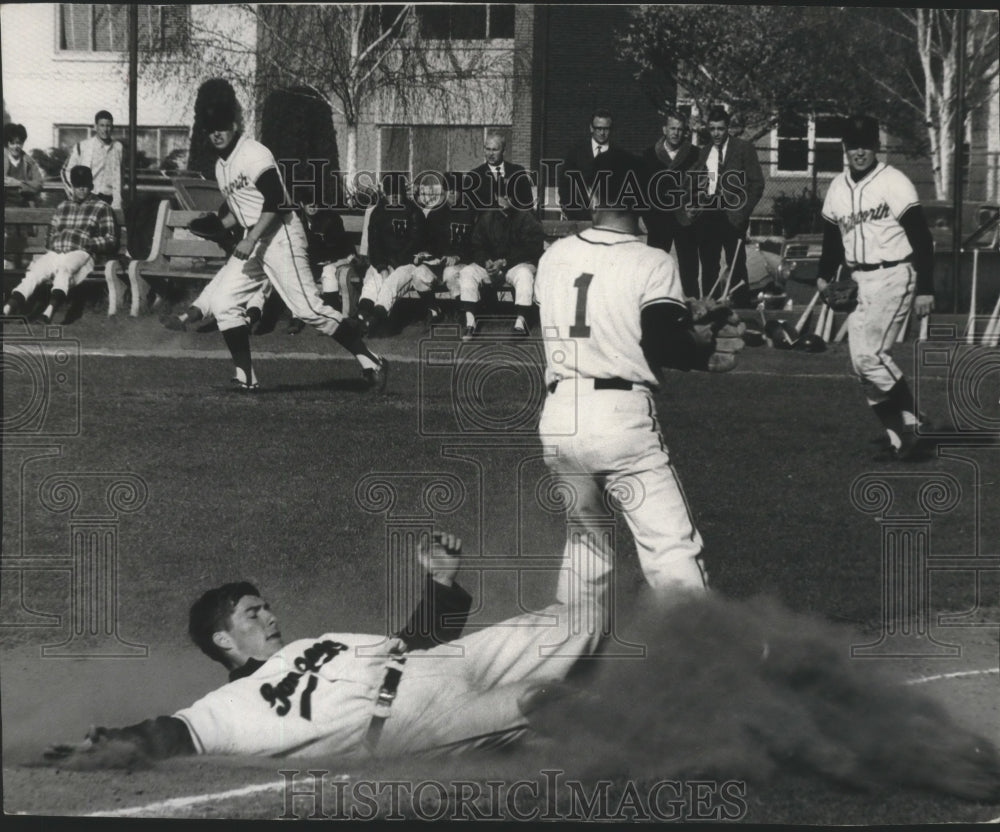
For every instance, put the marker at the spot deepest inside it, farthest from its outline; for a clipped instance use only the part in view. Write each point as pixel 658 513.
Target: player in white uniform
pixel 875 225
pixel 612 312
pixel 351 695
pixel 274 247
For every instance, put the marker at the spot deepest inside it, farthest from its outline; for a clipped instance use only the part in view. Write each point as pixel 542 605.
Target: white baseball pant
pixel 385 288
pixel 609 441
pixel 521 277
pixel 884 297
pixel 425 278
pixel 204 300
pixel 64 269
pixel 280 258
pixel 466 693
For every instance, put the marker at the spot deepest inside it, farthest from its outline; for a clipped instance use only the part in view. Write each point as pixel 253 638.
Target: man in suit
pixel 480 188
pixel 668 222
pixel 577 172
pixel 731 184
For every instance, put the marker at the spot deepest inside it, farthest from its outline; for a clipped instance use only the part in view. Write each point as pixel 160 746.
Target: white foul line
pixel 956 675
pixel 184 802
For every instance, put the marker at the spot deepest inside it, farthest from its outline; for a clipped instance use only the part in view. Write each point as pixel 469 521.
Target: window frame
pixel 488 39
pixel 411 171
pixel 159 130
pixel 91 54
pixel 811 140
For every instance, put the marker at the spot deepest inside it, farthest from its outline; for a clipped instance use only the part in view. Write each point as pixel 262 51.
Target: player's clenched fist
pixel 441 556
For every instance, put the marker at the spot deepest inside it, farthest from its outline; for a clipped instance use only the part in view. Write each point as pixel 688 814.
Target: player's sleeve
pixel 439 617
pixel 832 254
pixel 663 281
pixel 827 210
pixel 919 236
pixel 164 736
pixel 256 160
pixel 270 187
pixel 901 196
pixel 667 338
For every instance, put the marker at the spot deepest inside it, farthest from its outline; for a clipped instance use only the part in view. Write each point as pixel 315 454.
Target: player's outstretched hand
pixel 442 557
pixel 97 751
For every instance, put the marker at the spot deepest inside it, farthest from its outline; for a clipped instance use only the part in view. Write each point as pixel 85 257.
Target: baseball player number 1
pixel 580 328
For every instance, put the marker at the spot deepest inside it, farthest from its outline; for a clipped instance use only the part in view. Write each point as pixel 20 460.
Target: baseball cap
pixel 618 181
pixel 219 115
pixel 861 131
pixel 81 177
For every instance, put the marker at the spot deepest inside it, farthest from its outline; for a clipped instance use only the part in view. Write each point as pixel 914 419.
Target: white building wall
pixel 43 87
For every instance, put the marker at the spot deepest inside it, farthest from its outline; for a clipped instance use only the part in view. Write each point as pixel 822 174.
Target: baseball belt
pixel 604 384
pixel 870 267
pixel 384 700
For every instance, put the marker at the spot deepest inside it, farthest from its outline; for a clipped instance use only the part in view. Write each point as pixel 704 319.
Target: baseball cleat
pixel 378 377
pixel 174 323
pixel 469 333
pixel 241 386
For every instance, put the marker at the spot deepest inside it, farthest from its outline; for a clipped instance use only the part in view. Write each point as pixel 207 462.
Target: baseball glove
pixel 841 295
pixel 719 327
pixel 210 227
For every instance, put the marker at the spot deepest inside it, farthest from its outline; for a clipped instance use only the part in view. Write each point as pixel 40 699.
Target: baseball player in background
pixel 612 313
pixel 875 224
pixel 356 696
pixel 273 248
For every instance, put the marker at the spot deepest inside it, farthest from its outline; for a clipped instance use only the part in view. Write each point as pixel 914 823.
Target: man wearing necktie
pixel 576 174
pixel 731 184
pixel 481 187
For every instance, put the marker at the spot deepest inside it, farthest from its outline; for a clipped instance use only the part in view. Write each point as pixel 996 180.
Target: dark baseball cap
pixel 861 131
pixel 81 177
pixel 219 115
pixel 618 183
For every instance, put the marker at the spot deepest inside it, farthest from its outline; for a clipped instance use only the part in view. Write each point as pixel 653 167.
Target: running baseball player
pixel 612 313
pixel 273 248
pixel 350 695
pixel 875 224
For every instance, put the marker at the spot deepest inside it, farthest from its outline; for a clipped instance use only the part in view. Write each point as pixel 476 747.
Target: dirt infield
pixel 263 487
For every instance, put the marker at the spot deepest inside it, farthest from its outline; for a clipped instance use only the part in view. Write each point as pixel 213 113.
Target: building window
pixel 466 21
pixel 103 27
pixel 157 147
pixel 431 147
pixel 805 143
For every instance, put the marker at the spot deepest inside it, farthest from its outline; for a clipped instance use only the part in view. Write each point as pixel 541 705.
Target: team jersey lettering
pixel 579 329
pixel 400 227
pixel 238 184
pixel 312 659
pixel 459 231
pixel 848 222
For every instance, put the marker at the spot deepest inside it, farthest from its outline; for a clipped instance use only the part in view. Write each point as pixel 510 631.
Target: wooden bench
pixel 25 234
pixel 177 254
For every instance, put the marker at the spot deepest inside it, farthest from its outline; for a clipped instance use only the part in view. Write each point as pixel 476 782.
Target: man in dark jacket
pixel 394 234
pixel 668 222
pixel 576 176
pixel 480 188
pixel 734 184
pixel 505 247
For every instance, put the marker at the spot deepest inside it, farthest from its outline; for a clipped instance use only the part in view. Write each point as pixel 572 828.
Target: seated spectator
pixel 331 254
pixel 82 229
pixel 394 234
pixel 444 248
pixel 505 247
pixel 483 185
pixel 576 176
pixel 22 178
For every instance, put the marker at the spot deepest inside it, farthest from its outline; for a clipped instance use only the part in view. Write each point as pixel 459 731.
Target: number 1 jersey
pixel 591 289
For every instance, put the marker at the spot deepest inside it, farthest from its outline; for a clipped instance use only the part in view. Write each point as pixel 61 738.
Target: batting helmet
pixel 811 343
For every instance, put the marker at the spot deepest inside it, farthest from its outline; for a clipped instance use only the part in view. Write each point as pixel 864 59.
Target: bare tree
pixel 928 86
pixel 360 59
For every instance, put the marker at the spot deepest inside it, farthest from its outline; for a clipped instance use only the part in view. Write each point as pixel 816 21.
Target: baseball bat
pixel 729 272
pixel 925 323
pixel 828 325
pixel 992 334
pixel 902 330
pixel 821 320
pixel 807 313
pixel 970 328
pixel 842 332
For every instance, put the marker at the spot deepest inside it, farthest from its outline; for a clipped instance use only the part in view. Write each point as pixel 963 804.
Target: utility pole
pixel 133 96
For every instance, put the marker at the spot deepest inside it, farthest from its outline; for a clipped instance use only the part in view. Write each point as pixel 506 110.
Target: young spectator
pixel 103 155
pixel 22 178
pixel 82 229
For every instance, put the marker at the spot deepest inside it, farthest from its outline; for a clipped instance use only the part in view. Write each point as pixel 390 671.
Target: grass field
pixel 266 487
